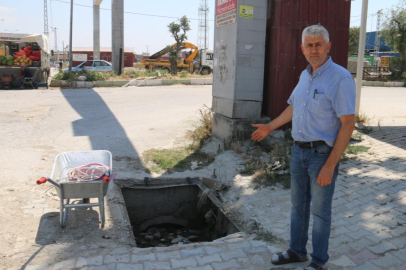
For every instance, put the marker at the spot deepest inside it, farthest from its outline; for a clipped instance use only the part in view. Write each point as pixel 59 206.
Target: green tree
pixel 178 31
pixel 354 40
pixel 173 57
pixel 394 31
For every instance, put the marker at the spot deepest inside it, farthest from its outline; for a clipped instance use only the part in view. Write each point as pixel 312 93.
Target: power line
pixel 128 12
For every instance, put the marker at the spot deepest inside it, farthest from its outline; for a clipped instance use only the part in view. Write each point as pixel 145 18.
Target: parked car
pixel 96 65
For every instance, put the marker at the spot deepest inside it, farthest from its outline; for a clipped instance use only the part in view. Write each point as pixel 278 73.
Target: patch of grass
pixel 91 75
pixel 358 137
pixel 265 236
pixel 356 149
pixel 184 74
pixel 179 159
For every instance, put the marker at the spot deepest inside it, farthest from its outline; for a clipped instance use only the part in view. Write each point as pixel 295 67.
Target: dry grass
pixel 203 128
pixel 362 118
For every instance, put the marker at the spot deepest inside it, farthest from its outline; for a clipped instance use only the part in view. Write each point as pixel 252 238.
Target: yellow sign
pixel 247 11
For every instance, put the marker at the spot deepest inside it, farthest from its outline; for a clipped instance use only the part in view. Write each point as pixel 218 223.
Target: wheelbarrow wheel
pixel 63 214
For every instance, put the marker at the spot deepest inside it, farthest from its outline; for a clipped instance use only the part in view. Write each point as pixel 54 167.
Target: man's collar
pixel 320 69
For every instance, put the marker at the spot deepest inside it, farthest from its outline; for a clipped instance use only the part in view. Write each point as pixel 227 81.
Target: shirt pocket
pixel 320 104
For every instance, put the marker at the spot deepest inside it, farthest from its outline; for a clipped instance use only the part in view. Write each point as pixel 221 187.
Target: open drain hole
pixel 175 215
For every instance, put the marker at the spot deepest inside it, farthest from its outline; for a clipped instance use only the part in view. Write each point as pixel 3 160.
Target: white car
pixel 96 65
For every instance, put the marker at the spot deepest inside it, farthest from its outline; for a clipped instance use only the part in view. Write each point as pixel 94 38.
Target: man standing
pixel 20 78
pixel 322 109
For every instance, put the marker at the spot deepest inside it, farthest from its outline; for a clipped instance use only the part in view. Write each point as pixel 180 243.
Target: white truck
pixel 203 63
pixel 11 43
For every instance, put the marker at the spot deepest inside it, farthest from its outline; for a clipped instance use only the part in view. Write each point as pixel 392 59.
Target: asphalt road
pixel 37 125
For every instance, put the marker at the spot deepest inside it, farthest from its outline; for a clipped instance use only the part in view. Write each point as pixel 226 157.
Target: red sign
pixel 224 6
pixel 226 12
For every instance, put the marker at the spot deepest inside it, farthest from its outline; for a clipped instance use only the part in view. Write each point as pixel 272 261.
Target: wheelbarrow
pixel 81 175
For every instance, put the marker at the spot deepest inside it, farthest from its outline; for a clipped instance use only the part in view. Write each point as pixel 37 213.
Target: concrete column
pixel 117 37
pixel 238 75
pixel 96 29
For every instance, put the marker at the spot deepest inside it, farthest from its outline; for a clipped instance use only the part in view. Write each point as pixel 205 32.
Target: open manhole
pixel 164 214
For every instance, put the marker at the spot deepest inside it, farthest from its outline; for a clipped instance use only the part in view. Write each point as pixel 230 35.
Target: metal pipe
pixel 81 205
pixel 361 49
pixel 70 36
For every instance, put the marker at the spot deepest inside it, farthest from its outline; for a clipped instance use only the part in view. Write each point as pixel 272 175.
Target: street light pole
pixel 70 36
pixel 361 49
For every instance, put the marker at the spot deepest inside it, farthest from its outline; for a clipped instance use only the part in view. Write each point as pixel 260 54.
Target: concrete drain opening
pixel 174 212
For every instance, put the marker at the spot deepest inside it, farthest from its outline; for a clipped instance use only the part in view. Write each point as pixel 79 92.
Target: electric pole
pixel 56 43
pixel 70 36
pixel 46 18
pixel 377 39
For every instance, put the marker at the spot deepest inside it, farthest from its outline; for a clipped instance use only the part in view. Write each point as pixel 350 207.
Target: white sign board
pixel 79 57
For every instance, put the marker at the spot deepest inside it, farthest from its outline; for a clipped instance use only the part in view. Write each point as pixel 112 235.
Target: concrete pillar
pixel 238 75
pixel 117 37
pixel 96 29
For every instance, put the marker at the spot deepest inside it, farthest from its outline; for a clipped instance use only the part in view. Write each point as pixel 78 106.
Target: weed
pixel 203 128
pixel 362 118
pixel 265 236
pixel 358 137
pixel 274 172
pixel 184 74
pixel 179 159
pixel 356 149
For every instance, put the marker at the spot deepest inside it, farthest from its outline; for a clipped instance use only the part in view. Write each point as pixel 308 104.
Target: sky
pixel 145 22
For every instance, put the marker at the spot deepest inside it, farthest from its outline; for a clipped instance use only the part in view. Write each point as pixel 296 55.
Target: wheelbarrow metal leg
pixel 101 203
pixel 62 209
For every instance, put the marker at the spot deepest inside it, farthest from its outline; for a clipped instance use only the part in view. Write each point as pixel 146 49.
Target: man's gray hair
pixel 314 31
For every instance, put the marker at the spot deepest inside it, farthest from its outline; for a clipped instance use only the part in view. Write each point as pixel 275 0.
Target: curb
pixel 158 82
pixel 383 84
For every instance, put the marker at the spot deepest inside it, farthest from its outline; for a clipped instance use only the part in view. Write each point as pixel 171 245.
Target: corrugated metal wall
pixel 284 60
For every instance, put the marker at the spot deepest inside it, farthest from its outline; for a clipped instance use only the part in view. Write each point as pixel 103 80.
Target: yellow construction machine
pixel 189 63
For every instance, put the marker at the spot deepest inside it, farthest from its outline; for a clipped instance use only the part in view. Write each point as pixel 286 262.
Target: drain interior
pixel 168 215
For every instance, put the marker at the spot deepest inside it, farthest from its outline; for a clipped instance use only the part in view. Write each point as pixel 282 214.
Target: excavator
pixel 203 65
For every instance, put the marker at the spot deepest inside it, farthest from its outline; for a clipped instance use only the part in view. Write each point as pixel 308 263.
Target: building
pixel 80 54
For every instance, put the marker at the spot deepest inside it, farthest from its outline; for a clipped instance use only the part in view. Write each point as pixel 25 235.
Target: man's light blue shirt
pixel 320 100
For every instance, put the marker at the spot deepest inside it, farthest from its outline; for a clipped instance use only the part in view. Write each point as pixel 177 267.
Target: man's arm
pixel 264 130
pixel 343 138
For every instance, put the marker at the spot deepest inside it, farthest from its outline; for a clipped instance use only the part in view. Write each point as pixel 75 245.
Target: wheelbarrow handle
pixel 43 180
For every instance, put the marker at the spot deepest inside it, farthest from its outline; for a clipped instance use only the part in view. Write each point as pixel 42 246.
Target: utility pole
pixel 70 36
pixel 361 49
pixel 56 43
pixel 377 39
pixel 46 18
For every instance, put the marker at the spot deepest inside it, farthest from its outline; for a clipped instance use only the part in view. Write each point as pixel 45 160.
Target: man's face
pixel 22 67
pixel 315 49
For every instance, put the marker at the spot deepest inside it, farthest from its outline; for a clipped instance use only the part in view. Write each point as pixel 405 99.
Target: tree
pixel 178 31
pixel 394 31
pixel 173 57
pixel 354 40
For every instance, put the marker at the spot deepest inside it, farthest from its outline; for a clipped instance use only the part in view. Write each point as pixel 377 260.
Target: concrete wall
pixel 238 75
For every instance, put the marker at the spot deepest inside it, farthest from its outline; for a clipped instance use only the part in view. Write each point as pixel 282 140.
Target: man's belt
pixel 310 145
